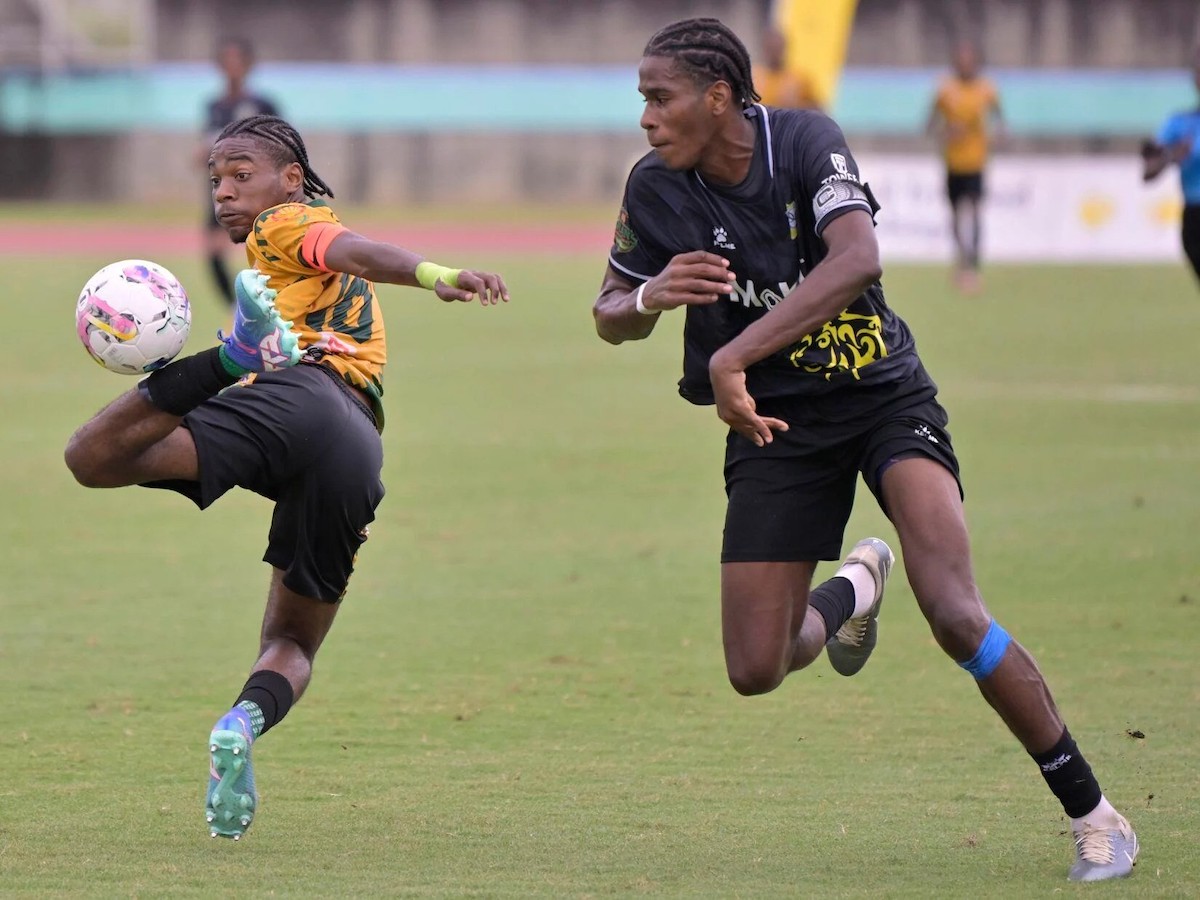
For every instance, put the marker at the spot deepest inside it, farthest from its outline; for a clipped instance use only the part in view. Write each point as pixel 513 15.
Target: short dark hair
pixel 284 144
pixel 708 51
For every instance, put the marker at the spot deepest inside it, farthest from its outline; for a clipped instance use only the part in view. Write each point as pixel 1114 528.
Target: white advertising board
pixel 1037 209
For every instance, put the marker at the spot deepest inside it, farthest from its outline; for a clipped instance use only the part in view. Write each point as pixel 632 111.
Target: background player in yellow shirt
pixel 307 350
pixel 965 116
pixel 777 84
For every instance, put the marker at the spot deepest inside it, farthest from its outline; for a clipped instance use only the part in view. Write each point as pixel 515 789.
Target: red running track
pixel 148 241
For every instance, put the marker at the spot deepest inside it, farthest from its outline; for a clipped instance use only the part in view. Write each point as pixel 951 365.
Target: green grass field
pixel 524 694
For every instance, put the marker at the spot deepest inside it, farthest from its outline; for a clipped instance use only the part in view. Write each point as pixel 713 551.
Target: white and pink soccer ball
pixel 133 316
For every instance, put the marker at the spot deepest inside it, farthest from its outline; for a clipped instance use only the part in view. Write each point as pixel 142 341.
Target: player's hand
pixel 736 407
pixel 690 279
pixel 488 287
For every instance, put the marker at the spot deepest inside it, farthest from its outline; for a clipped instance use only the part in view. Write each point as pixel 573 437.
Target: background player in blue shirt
pixel 1178 142
pixel 235 59
pixel 755 221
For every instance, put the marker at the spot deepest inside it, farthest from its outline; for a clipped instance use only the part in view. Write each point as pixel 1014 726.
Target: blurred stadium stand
pixel 495 100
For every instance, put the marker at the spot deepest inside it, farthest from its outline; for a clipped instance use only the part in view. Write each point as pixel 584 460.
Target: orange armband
pixel 316 243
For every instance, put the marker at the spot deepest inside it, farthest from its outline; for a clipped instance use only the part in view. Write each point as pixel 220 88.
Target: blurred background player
pixel 964 113
pixel 777 84
pixel 1178 143
pixel 235 59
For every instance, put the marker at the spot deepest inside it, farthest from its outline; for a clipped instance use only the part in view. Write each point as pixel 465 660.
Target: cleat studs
pixel 209 817
pixel 237 750
pixel 212 834
pixel 237 837
pixel 212 748
pixel 245 821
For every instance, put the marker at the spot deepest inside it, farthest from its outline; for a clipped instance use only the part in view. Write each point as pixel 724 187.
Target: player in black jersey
pixel 235 59
pixel 756 222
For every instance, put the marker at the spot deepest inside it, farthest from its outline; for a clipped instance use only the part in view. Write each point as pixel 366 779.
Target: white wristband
pixel 641 307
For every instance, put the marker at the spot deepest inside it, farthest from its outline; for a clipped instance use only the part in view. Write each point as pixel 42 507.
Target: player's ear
pixel 719 96
pixel 293 177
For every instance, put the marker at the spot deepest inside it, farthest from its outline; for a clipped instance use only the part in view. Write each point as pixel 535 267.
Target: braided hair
pixel 708 50
pixel 284 144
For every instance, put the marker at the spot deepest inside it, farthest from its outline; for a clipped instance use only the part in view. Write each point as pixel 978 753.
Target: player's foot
pixel 1102 853
pixel 261 341
pixel 851 647
pixel 231 798
pixel 969 282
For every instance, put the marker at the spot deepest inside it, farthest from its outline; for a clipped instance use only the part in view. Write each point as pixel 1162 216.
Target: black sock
pixel 220 274
pixel 1069 776
pixel 181 386
pixel 272 693
pixel 833 601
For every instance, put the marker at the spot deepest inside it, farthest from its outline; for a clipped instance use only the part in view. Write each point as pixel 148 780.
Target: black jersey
pixel 225 110
pixel 801 178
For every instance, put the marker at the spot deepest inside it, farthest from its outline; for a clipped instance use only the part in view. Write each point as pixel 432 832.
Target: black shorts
pixel 302 438
pixel 1191 235
pixel 790 501
pixel 964 185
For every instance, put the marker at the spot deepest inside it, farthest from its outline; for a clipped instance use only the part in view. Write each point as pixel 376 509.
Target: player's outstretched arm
pixel 627 311
pixel 382 262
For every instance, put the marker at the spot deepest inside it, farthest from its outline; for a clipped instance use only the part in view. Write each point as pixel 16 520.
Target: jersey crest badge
pixel 624 237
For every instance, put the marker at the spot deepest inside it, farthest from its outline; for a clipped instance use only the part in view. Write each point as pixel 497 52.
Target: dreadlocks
pixel 709 51
pixel 285 144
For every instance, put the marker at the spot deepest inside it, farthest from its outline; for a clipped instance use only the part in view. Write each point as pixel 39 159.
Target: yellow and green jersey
pixel 335 314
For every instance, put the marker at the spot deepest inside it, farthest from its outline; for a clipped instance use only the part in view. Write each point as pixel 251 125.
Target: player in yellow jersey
pixel 777 84
pixel 302 427
pixel 965 115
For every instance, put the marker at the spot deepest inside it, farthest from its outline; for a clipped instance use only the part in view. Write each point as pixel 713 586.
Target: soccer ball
pixel 133 316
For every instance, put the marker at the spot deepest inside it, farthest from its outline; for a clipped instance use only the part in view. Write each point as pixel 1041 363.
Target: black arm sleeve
pixel 642 241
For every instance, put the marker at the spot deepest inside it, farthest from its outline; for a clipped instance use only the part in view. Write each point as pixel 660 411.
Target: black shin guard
pixel 181 386
pixel 833 601
pixel 1069 776
pixel 272 693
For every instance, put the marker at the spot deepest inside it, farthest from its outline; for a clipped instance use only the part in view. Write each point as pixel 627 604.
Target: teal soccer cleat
pixel 851 647
pixel 262 341
pixel 231 798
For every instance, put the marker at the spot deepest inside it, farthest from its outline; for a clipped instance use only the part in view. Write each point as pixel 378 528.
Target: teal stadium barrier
pixel 1037 102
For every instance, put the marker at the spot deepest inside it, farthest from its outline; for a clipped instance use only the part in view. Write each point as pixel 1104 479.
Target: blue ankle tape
pixel 990 652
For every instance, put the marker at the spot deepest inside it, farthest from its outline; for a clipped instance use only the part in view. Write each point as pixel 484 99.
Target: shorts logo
pixel 924 432
pixel 624 237
pixel 721 238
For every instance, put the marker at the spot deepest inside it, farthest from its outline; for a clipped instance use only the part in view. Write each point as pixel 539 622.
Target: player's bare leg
pixel 293 628
pixel 131 441
pixel 772 624
pixel 766 625
pixel 925 506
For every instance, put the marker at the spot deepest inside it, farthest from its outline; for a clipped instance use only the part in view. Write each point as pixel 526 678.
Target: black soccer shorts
pixel 964 185
pixel 790 501
pixel 1191 235
pixel 302 438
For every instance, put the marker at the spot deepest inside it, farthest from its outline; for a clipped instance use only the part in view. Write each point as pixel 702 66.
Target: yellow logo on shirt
pixel 846 344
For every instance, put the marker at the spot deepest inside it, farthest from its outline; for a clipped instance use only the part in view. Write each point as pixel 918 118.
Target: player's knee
pixel 750 678
pixel 83 463
pixel 959 627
